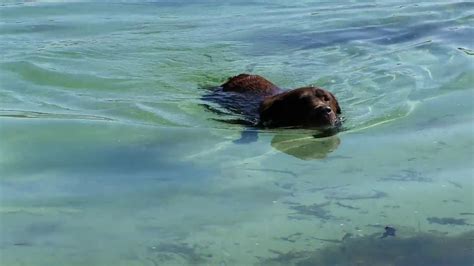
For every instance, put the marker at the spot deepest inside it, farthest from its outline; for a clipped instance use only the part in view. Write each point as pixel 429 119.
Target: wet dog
pixel 264 104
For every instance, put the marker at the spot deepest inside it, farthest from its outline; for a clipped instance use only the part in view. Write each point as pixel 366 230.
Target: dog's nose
pixel 327 109
pixel 324 109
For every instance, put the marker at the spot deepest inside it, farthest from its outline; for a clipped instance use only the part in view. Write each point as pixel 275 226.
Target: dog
pixel 265 105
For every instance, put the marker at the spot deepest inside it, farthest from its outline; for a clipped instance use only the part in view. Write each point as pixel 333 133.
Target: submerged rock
pixel 389 231
pixel 419 249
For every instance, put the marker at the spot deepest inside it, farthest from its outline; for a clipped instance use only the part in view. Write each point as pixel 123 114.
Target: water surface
pixel 109 158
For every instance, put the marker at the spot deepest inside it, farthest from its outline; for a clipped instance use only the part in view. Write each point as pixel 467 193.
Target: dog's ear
pixel 338 108
pixel 271 110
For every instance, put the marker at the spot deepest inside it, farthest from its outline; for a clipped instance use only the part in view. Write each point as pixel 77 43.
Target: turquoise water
pixel 107 156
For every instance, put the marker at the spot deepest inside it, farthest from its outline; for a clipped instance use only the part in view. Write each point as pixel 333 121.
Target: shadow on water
pixel 419 249
pixel 305 147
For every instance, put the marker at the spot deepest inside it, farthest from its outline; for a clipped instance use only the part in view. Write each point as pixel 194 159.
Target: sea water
pixel 108 156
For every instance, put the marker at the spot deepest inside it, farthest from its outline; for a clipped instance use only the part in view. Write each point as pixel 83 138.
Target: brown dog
pixel 306 107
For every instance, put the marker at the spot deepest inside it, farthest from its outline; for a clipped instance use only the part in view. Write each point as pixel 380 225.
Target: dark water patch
pixel 23 244
pixel 317 210
pixel 351 170
pixel 31 233
pixel 374 195
pixel 95 162
pixel 447 221
pixel 453 200
pixel 407 175
pixel 43 228
pixel 466 213
pixel 457 185
pixel 286 186
pixel 283 258
pixel 327 240
pixel 166 253
pixel 292 238
pixel 290 173
pixel 375 225
pixel 297 218
pixel 347 206
pixel 392 206
pixel 419 249
pixel 316 189
pixel 151 229
pixel 340 157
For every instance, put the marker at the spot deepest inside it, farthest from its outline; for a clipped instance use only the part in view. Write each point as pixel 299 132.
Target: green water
pixel 107 156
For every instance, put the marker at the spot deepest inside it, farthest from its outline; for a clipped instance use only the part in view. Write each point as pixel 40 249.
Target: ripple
pixel 380 120
pixel 43 115
pixel 41 75
pixel 379 61
pixel 466 51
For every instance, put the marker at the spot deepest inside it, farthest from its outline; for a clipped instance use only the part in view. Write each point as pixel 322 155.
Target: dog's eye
pixel 306 98
pixel 326 98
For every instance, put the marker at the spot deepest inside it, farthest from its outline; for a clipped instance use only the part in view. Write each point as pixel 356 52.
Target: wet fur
pixel 261 103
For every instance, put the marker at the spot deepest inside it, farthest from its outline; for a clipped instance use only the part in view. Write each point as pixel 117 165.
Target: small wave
pixel 43 115
pixel 43 76
pixel 466 51
pixel 383 120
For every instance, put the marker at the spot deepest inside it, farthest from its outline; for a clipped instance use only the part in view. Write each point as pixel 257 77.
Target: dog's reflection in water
pixel 305 147
pixel 301 146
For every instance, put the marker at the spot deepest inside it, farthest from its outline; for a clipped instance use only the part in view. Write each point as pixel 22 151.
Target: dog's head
pixel 302 107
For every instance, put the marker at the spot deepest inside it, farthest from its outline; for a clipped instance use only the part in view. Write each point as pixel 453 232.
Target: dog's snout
pixel 324 109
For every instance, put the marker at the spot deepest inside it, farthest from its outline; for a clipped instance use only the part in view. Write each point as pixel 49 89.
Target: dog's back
pixel 245 83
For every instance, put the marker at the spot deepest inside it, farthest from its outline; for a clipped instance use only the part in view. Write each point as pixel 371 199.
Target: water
pixel 109 158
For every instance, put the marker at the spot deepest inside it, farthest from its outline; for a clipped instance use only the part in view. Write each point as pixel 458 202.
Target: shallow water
pixel 109 158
